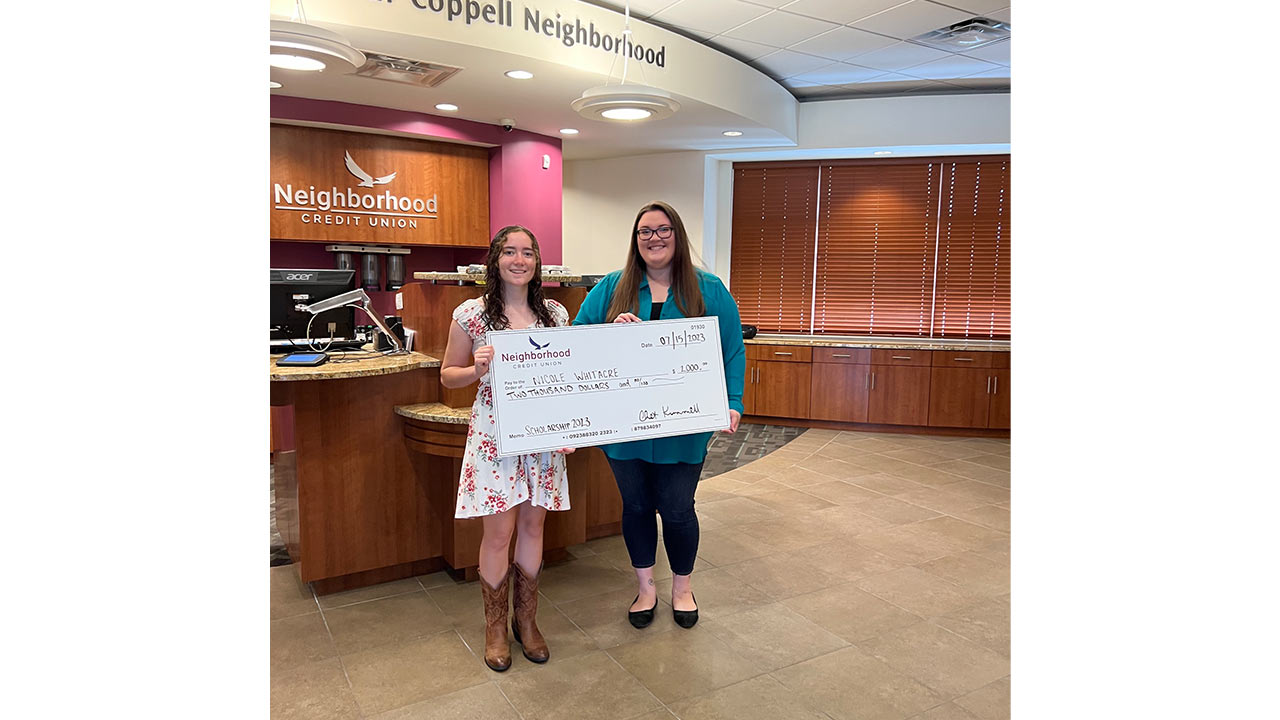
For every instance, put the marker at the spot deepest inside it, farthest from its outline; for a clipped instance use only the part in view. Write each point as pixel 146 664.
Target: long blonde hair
pixel 684 276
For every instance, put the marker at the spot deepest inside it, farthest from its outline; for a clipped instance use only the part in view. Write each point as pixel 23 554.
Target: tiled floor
pixel 846 575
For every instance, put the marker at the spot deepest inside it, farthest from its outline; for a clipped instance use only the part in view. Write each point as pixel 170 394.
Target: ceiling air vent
pixel 405 71
pixel 966 35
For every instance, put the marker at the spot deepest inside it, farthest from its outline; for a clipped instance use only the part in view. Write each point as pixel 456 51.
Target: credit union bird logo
pixel 366 180
pixel 536 346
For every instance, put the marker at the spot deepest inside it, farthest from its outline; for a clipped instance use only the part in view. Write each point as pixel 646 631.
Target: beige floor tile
pixel 658 714
pixel 850 613
pixel 942 660
pixel 720 485
pixel 709 495
pixel 824 434
pixel 953 450
pixel 875 442
pixel 728 545
pixel 289 595
pixel 986 492
pixel 990 445
pixel 791 501
pixel 739 510
pixel 581 578
pixel 837 469
pixel 460 603
pixel 760 698
pixel 996 551
pixel 849 684
pixel 440 578
pixel 682 664
pixel 996 518
pixel 621 559
pixel 848 520
pixel 791 532
pixel 564 639
pixel 300 640
pixel 314 691
pixel 840 492
pixel 718 592
pixel 746 475
pixel 999 462
pixel 393 676
pixel 799 477
pixel 373 592
pixel 783 575
pixel 986 624
pixel 881 463
pixel 886 484
pixel 774 636
pixel 762 487
pixel 941 500
pixel 907 545
pixel 482 702
pixel 845 560
pixel 918 592
pixel 945 711
pixel 895 511
pixel 587 686
pixel 917 455
pixel 927 476
pixel 389 620
pixel 838 451
pixel 971 571
pixel 604 617
pixel 966 535
pixel 974 471
pixel 990 702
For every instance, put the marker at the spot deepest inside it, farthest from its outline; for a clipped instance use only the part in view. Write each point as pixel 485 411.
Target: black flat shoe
pixel 686 618
pixel 641 618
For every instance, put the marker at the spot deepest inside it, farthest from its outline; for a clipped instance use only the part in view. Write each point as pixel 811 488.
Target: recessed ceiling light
pixel 568 131
pixel 447 107
pixel 299 46
pixel 884 152
pixel 519 74
pixel 625 113
pixel 275 85
pixel 731 133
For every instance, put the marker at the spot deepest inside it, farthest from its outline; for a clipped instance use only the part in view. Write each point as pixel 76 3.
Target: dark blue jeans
pixel 668 489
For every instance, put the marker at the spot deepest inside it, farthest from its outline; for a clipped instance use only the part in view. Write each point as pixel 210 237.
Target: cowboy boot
pixel 525 610
pixel 497 648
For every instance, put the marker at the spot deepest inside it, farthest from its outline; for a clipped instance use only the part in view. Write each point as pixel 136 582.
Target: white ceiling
pixel 827 49
pixel 816 49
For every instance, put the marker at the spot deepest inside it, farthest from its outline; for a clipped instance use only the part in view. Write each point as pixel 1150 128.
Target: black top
pixel 655 311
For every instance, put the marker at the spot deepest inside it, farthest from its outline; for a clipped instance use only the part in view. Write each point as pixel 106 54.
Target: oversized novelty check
pixel 588 385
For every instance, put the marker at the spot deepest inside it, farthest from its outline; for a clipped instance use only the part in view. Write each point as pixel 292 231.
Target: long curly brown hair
pixel 495 311
pixel 684 276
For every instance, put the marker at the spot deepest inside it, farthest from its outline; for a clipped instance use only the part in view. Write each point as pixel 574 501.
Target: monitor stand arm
pixel 357 299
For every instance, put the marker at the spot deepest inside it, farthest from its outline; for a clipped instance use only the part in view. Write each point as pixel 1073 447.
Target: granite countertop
pixel 881 343
pixel 435 412
pixel 366 366
pixel 465 277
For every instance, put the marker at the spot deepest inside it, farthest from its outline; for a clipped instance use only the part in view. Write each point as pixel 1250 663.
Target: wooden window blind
pixel 876 240
pixel 914 247
pixel 771 265
pixel 973 299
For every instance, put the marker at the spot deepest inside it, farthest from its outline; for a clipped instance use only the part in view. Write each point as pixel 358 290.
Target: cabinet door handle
pixel 873 381
pixel 995 385
pixel 963 359
pixel 782 353
pixel 901 357
pixel 838 355
pixel 988 384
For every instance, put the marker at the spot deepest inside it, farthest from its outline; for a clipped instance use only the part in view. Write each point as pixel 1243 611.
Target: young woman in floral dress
pixel 509 492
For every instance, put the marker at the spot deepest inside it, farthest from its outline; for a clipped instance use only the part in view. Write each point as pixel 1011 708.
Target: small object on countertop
pixel 748 332
pixel 303 359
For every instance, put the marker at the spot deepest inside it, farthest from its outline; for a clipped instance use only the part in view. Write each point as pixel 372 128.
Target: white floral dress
pixel 490 484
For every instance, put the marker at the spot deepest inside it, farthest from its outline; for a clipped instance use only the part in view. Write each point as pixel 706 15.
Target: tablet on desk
pixel 303 359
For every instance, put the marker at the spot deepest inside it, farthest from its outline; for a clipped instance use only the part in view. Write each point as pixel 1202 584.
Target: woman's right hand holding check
pixel 626 317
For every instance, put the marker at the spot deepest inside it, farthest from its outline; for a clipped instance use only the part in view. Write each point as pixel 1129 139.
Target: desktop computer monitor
pixel 290 288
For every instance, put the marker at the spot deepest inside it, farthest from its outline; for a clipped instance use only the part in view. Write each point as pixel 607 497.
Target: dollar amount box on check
pixel 585 385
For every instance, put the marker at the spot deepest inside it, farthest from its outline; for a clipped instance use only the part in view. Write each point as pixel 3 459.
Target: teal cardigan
pixel 682 448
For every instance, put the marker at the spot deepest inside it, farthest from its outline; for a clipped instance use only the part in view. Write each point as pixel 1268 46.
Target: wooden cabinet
pixel 777 387
pixel 839 384
pixel 971 396
pixel 898 394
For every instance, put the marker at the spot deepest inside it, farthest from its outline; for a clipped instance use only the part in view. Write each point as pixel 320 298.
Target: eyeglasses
pixel 663 232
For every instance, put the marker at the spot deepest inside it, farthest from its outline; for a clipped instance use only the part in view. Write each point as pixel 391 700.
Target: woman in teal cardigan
pixel 660 282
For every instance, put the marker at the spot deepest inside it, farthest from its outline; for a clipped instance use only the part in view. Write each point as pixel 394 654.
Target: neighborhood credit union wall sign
pixel 355 205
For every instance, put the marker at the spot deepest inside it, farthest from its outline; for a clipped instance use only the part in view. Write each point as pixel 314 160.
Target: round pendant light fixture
pixel 626 102
pixel 299 46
